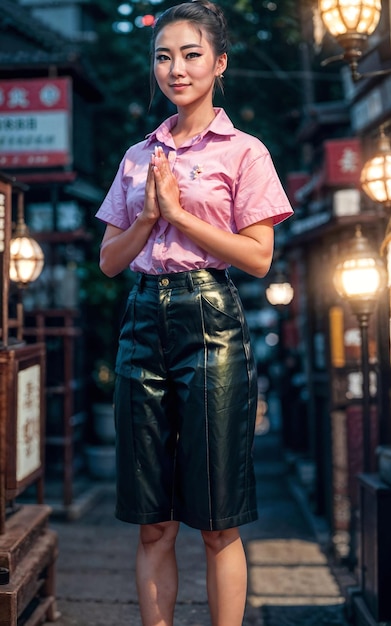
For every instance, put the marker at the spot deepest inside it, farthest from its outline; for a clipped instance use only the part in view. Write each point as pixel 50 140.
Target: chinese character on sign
pixel 31 432
pixel 29 396
pixel 35 122
pixel 349 161
pixel 343 161
pixel 28 422
pixel 18 97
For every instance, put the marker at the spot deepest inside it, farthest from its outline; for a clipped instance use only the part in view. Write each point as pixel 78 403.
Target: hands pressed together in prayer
pixel 162 196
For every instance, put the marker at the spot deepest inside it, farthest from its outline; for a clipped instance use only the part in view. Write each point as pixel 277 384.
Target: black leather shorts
pixel 185 403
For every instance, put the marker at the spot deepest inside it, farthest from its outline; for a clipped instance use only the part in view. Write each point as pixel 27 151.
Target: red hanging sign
pixel 35 117
pixel 343 161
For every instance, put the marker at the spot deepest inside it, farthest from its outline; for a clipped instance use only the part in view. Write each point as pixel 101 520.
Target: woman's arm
pixel 250 250
pixel 119 247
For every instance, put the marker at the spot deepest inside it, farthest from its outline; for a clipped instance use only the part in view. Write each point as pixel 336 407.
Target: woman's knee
pixel 217 540
pixel 162 534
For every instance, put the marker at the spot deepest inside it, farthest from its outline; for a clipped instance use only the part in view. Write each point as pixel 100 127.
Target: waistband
pixel 182 280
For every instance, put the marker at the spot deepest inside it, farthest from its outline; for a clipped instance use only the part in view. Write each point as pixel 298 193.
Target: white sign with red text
pixel 35 122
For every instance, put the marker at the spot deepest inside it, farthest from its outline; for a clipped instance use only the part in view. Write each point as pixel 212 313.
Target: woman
pixel 192 199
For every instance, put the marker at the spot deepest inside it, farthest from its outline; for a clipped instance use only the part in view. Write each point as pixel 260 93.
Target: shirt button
pixel 160 269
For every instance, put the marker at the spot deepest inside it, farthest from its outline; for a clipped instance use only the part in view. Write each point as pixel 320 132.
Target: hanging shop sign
pixel 35 123
pixel 343 161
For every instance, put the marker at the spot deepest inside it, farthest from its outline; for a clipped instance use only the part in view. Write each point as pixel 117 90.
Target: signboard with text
pixel 343 161
pixel 28 420
pixel 35 123
pixel 22 421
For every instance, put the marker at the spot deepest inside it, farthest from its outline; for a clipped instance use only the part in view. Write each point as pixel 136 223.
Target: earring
pixel 221 76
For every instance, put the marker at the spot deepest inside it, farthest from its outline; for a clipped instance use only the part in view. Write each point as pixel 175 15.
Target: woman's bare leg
pixel 157 574
pixel 226 576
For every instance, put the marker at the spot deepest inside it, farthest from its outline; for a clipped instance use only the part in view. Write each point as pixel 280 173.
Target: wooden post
pixel 5 238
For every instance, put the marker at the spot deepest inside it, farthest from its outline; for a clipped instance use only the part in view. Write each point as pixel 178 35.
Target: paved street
pixel 290 583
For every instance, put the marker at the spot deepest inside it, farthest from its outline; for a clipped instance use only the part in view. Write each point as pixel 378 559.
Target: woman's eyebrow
pixel 185 47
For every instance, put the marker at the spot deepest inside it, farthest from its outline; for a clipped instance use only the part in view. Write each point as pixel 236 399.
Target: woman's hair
pixel 206 17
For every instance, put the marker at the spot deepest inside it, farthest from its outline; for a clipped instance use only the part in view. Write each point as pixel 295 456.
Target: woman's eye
pixel 162 57
pixel 193 55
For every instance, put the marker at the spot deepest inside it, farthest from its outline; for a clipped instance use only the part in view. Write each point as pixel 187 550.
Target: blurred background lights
pixel 247 113
pixel 123 27
pixel 280 293
pixel 136 110
pixel 252 17
pixel 144 20
pixel 264 35
pixel 271 339
pixel 125 9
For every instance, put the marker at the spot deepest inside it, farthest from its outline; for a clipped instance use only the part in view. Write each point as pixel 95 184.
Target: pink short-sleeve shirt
pixel 226 178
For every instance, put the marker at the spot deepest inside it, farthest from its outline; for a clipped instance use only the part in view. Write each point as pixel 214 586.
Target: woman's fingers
pixel 151 205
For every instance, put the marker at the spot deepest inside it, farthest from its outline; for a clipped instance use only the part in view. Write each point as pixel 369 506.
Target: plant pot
pixel 384 462
pixel 101 462
pixel 103 414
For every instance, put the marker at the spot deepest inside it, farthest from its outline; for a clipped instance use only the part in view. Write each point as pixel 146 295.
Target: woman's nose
pixel 177 67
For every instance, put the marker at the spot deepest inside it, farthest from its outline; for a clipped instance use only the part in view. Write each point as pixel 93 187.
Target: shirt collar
pixel 220 125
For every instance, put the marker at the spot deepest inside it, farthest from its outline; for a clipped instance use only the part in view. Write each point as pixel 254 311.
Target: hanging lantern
pixel 280 292
pixel 376 174
pixel 26 256
pixel 361 276
pixel 26 260
pixel 350 17
pixel 350 22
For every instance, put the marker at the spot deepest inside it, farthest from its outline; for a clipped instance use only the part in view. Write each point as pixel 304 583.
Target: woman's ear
pixel 221 65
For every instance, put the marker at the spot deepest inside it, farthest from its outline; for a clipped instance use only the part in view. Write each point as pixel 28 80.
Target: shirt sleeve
pixel 113 209
pixel 259 194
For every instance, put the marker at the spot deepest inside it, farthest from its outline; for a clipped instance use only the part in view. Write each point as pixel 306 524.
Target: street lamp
pixel 359 279
pixel 26 259
pixel 351 22
pixel 26 256
pixel 376 173
pixel 280 292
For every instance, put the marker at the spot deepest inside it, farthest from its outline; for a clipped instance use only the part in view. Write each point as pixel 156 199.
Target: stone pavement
pixel 290 582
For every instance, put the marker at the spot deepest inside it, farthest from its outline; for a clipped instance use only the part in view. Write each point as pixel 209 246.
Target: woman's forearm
pixel 251 250
pixel 120 247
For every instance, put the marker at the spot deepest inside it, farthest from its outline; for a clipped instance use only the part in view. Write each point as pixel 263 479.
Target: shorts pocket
pixel 222 307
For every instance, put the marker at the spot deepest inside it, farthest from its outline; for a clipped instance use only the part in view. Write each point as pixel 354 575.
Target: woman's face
pixel 185 64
